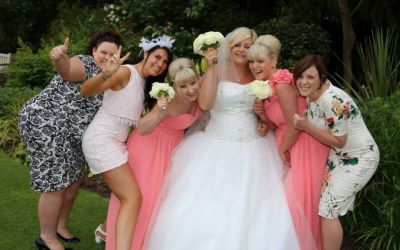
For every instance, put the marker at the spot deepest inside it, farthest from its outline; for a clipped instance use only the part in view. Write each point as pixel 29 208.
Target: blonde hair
pixel 182 71
pixel 239 34
pixel 266 45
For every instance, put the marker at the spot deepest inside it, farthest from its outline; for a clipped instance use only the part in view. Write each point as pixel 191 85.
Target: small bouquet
pixel 162 90
pixel 207 40
pixel 260 89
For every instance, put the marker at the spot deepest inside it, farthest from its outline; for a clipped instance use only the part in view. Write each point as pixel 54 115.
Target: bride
pixel 224 188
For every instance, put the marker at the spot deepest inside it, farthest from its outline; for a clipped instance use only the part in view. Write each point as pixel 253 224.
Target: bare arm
pixel 208 88
pixel 324 136
pixel 149 122
pixel 288 102
pixel 120 77
pixel 70 69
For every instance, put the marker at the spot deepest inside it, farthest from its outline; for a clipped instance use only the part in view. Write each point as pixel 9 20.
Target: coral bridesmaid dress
pixel 149 157
pixel 304 180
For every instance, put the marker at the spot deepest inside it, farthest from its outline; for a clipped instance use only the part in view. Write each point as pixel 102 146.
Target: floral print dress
pixel 51 124
pixel 348 169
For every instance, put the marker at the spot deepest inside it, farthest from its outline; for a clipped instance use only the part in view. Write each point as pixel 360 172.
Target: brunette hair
pixel 103 36
pixel 306 62
pixel 148 100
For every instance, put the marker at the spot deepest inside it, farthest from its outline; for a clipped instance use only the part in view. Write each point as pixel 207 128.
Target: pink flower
pixel 282 76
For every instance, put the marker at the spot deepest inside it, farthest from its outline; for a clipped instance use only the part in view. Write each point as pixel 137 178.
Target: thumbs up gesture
pixel 59 51
pixel 300 122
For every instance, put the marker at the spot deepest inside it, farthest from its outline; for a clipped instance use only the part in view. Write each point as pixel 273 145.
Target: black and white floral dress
pixel 51 124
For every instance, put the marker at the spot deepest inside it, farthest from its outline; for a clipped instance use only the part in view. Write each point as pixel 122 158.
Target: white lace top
pixel 232 117
pixel 126 105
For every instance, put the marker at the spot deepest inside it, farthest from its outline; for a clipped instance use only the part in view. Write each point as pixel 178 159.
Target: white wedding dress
pixel 224 188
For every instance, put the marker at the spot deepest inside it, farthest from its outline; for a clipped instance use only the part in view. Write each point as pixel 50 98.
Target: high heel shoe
pixel 70 240
pixel 98 238
pixel 42 245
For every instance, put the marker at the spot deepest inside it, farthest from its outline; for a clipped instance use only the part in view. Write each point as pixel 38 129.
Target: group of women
pixel 222 185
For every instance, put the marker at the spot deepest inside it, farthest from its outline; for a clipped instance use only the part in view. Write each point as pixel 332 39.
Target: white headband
pixel 162 41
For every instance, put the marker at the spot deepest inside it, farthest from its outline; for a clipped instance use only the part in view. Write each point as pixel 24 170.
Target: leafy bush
pixel 10 95
pixel 297 39
pixel 376 218
pixel 28 69
pixel 10 141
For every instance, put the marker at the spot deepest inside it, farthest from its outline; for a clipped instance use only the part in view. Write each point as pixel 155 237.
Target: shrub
pixel 376 218
pixel 10 141
pixel 297 39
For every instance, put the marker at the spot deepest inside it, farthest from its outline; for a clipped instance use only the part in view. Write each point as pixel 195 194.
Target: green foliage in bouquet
pixel 375 221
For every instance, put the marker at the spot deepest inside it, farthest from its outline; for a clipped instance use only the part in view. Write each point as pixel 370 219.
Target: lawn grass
pixel 19 224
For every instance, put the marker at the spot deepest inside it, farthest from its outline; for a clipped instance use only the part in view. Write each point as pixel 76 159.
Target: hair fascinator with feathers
pixel 162 41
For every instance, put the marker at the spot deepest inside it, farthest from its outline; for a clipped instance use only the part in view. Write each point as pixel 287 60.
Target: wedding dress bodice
pixel 232 116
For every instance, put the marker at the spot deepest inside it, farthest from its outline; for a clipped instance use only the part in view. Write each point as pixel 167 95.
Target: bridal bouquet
pixel 162 90
pixel 207 40
pixel 260 89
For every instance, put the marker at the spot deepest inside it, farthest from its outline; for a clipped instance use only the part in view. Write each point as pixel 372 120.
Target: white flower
pixel 105 8
pixel 117 8
pixel 123 12
pixel 162 90
pixel 207 40
pixel 111 6
pixel 116 20
pixel 260 89
pixel 112 12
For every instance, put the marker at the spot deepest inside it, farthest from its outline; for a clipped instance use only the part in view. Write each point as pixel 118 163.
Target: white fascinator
pixel 162 41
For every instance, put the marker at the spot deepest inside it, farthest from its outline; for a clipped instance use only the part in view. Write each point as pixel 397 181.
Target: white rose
pixel 197 44
pixel 171 93
pixel 154 90
pixel 260 89
pixel 209 38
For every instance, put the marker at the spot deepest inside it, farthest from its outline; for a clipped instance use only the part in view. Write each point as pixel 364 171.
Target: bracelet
pixel 104 75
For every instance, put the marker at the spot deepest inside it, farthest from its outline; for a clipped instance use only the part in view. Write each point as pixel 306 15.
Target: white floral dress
pixel 348 169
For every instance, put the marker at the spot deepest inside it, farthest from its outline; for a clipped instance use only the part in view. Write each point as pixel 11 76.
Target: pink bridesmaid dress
pixel 304 180
pixel 148 158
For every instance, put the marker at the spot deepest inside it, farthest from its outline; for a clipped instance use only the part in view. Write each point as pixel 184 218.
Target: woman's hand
pixel 301 122
pixel 258 107
pixel 262 128
pixel 285 156
pixel 59 51
pixel 211 55
pixel 162 104
pixel 114 63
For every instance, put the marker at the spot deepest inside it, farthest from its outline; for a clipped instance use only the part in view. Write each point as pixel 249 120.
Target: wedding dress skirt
pixel 224 188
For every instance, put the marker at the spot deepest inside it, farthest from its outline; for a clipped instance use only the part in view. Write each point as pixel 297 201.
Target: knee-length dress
pixel 148 158
pixel 304 180
pixel 348 169
pixel 51 125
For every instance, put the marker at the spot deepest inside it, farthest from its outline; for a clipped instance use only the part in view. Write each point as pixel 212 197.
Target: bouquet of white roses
pixel 207 40
pixel 162 90
pixel 260 89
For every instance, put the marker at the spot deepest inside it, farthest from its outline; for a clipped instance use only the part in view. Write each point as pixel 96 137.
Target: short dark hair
pixel 311 60
pixel 149 101
pixel 103 36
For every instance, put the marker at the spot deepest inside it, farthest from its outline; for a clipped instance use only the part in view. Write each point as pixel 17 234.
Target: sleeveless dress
pixel 348 169
pixel 304 180
pixel 149 157
pixel 51 125
pixel 224 188
pixel 104 140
